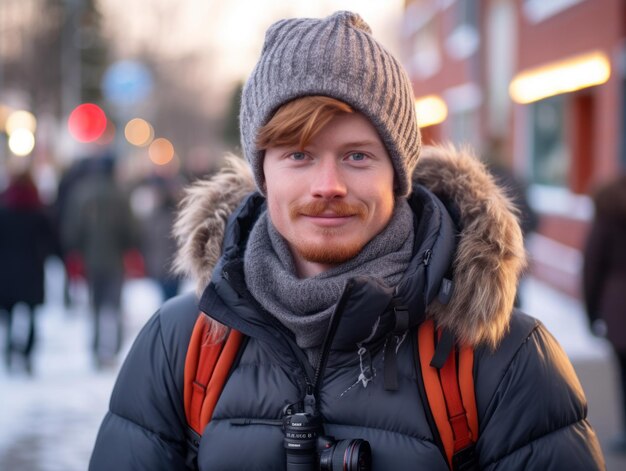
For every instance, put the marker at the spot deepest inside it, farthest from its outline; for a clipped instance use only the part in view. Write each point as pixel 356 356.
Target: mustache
pixel 317 208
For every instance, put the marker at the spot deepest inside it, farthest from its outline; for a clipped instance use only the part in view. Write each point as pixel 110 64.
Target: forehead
pixel 349 128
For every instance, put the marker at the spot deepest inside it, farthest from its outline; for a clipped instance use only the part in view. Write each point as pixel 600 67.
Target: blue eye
pixel 298 156
pixel 357 156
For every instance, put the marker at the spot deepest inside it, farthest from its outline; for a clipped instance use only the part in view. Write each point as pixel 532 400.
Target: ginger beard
pixel 330 250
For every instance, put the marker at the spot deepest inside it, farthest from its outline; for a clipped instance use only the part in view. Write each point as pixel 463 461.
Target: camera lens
pixel 347 455
pixel 300 442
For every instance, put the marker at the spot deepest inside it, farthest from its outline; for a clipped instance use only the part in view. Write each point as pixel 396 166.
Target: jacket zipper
pixel 298 354
pixel 328 339
pixel 312 384
pixel 313 387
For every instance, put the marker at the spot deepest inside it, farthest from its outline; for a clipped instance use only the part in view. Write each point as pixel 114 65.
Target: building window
pixel 501 39
pixel 420 29
pixel 539 10
pixel 464 38
pixel 551 156
pixel 462 128
pixel 426 59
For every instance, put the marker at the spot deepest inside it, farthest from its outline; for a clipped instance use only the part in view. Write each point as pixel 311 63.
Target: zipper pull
pixel 310 403
pixel 367 370
pixel 390 361
pixel 426 257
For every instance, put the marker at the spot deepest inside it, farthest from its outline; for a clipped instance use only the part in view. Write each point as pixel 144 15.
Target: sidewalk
pixel 49 422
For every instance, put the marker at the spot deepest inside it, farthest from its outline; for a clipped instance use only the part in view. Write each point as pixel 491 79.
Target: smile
pixel 329 220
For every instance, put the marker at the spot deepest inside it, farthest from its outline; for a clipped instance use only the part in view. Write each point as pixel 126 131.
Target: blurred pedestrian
pixel 514 186
pixel 101 228
pixel 604 278
pixel 77 172
pixel 157 242
pixel 26 240
pixel 516 190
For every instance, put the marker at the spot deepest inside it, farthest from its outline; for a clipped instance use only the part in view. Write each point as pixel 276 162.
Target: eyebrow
pixel 361 144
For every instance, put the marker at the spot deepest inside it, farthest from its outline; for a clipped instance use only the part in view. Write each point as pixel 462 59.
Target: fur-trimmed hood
pixel 488 261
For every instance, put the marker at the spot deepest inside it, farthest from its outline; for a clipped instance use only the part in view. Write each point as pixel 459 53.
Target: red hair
pixel 298 121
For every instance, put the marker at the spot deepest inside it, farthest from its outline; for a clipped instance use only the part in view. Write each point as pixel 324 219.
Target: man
pixel 344 234
pixel 604 280
pixel 100 227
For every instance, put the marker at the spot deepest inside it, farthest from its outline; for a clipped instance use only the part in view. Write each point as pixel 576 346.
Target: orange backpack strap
pixel 207 365
pixel 450 394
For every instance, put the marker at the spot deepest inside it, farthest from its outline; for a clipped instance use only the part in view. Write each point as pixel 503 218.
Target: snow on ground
pixel 49 421
pixel 565 318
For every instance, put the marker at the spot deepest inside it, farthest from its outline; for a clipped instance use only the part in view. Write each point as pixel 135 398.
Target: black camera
pixel 308 449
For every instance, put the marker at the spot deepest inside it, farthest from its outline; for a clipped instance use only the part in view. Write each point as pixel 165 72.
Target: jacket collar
pixel 361 320
pixel 456 200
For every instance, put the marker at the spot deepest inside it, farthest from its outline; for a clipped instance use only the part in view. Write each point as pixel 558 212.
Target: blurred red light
pixel 87 122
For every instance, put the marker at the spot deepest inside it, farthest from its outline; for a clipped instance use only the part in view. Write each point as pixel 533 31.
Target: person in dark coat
pixel 514 187
pixel 27 238
pixel 157 242
pixel 327 252
pixel 516 190
pixel 79 170
pixel 604 277
pixel 101 228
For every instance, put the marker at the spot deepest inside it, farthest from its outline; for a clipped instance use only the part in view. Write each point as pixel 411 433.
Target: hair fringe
pixel 299 121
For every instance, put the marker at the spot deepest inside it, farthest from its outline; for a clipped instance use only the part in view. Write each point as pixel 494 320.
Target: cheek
pixel 385 208
pixel 277 209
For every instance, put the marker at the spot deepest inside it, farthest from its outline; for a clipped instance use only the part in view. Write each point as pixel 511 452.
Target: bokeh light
pixel 564 76
pixel 139 132
pixel 20 119
pixel 5 111
pixel 87 122
pixel 161 151
pixel 430 110
pixel 21 142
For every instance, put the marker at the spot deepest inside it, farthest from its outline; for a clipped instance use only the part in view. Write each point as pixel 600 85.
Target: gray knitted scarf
pixel 304 305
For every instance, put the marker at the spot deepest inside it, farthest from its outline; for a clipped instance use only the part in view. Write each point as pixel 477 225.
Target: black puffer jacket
pixel 531 409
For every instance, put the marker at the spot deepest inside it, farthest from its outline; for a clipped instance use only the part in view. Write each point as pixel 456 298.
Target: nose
pixel 327 181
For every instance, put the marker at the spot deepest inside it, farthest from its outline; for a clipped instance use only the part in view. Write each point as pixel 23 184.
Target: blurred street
pixel 49 421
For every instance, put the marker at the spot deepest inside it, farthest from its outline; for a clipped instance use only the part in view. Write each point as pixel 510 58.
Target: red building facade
pixel 542 82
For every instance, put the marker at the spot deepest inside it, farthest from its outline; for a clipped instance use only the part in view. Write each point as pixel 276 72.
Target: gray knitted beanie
pixel 335 57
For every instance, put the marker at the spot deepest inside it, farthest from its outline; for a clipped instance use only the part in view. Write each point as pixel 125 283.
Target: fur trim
pixel 489 260
pixel 202 217
pixel 490 256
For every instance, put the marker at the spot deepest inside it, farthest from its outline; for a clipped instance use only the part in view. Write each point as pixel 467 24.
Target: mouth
pixel 330 215
pixel 328 219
